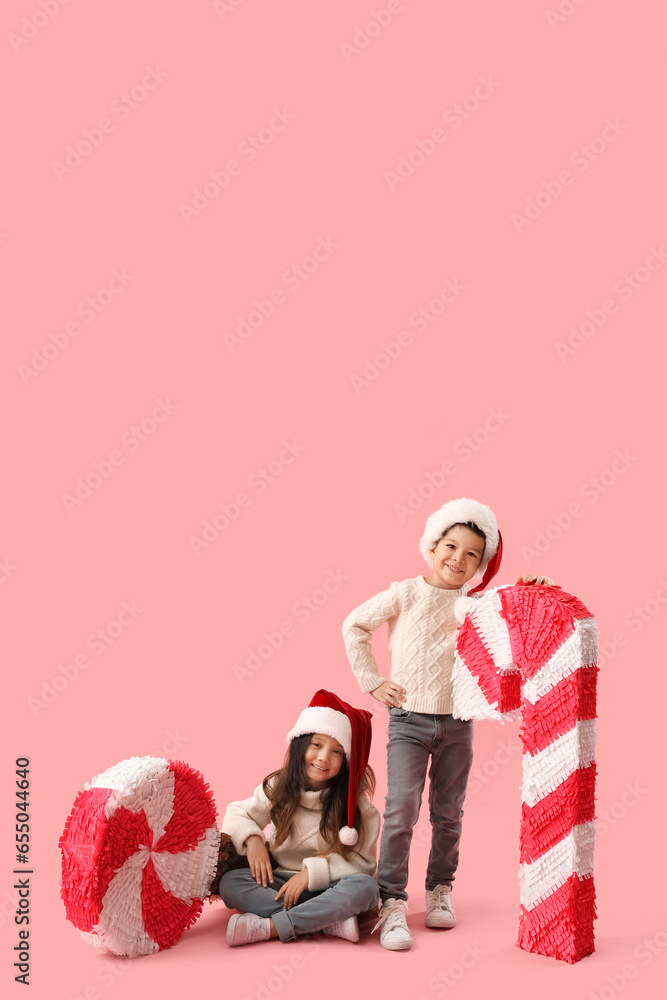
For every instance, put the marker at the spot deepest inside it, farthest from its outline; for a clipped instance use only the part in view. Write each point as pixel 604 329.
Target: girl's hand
pixel 258 859
pixel 541 581
pixel 390 694
pixel 293 889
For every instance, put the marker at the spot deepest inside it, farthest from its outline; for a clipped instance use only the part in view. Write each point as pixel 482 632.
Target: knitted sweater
pixel 422 640
pixel 304 848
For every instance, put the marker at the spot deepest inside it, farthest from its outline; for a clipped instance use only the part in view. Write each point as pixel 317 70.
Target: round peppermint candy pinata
pixel 139 854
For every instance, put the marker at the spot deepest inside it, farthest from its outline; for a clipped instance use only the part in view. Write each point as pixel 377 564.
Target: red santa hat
pixel 328 715
pixel 464 511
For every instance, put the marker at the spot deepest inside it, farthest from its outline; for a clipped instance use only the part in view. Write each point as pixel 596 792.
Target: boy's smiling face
pixel 456 558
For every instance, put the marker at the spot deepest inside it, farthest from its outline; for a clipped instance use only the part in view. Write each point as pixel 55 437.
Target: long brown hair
pixel 283 788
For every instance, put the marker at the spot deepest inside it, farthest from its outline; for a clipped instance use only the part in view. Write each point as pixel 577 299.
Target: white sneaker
pixel 346 929
pixel 439 909
pixel 394 935
pixel 246 928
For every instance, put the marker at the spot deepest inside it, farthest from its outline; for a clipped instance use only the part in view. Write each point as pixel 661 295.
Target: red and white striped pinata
pixel 139 852
pixel 530 652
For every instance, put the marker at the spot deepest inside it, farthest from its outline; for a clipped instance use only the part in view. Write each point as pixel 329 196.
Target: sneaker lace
pixel 442 897
pixel 392 916
pixel 254 927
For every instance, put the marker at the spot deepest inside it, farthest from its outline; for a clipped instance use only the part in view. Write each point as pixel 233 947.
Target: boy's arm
pixel 357 629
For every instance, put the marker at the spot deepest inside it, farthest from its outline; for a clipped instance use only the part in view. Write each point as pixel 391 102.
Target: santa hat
pixel 464 511
pixel 328 715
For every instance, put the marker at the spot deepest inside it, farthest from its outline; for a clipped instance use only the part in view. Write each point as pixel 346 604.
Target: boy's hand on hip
pixel 390 694
pixel 259 860
pixel 293 889
pixel 541 581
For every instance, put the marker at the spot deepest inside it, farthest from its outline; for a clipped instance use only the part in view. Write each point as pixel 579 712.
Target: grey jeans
pixel 350 895
pixel 413 738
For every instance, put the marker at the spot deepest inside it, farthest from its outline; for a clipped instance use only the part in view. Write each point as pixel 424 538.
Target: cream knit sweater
pixel 304 848
pixel 422 640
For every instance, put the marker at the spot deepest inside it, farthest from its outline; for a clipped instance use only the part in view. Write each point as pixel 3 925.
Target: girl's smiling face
pixel 456 558
pixel 323 759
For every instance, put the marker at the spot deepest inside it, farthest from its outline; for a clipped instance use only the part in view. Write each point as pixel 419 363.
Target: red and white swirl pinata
pixel 139 852
pixel 530 652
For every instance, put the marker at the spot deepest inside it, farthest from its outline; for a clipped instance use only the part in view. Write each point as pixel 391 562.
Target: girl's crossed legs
pixel 351 895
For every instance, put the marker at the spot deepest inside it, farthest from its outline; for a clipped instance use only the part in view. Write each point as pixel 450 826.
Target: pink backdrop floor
pixel 430 266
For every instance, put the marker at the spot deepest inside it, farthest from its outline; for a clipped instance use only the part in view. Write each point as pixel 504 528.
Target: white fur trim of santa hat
pixel 327 721
pixel 461 511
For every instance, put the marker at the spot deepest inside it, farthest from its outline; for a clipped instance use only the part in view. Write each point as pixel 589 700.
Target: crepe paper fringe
pixel 574 654
pixel 470 701
pixel 484 636
pixel 538 626
pixel 544 770
pixel 572 855
pixel 139 853
pixel 536 647
pixel 572 700
pixel 561 926
pixel 545 823
pixel 481 688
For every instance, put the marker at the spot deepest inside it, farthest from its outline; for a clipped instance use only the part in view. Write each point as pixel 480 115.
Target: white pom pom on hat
pixel 462 605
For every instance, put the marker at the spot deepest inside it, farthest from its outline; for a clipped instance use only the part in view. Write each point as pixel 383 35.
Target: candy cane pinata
pixel 139 853
pixel 530 652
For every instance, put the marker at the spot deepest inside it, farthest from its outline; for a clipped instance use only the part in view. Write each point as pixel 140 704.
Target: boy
pixel 460 541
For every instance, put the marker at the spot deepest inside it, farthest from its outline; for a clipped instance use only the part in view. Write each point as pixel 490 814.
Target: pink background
pixel 167 684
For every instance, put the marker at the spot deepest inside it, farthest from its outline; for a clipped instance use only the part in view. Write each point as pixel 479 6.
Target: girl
pixel 323 838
